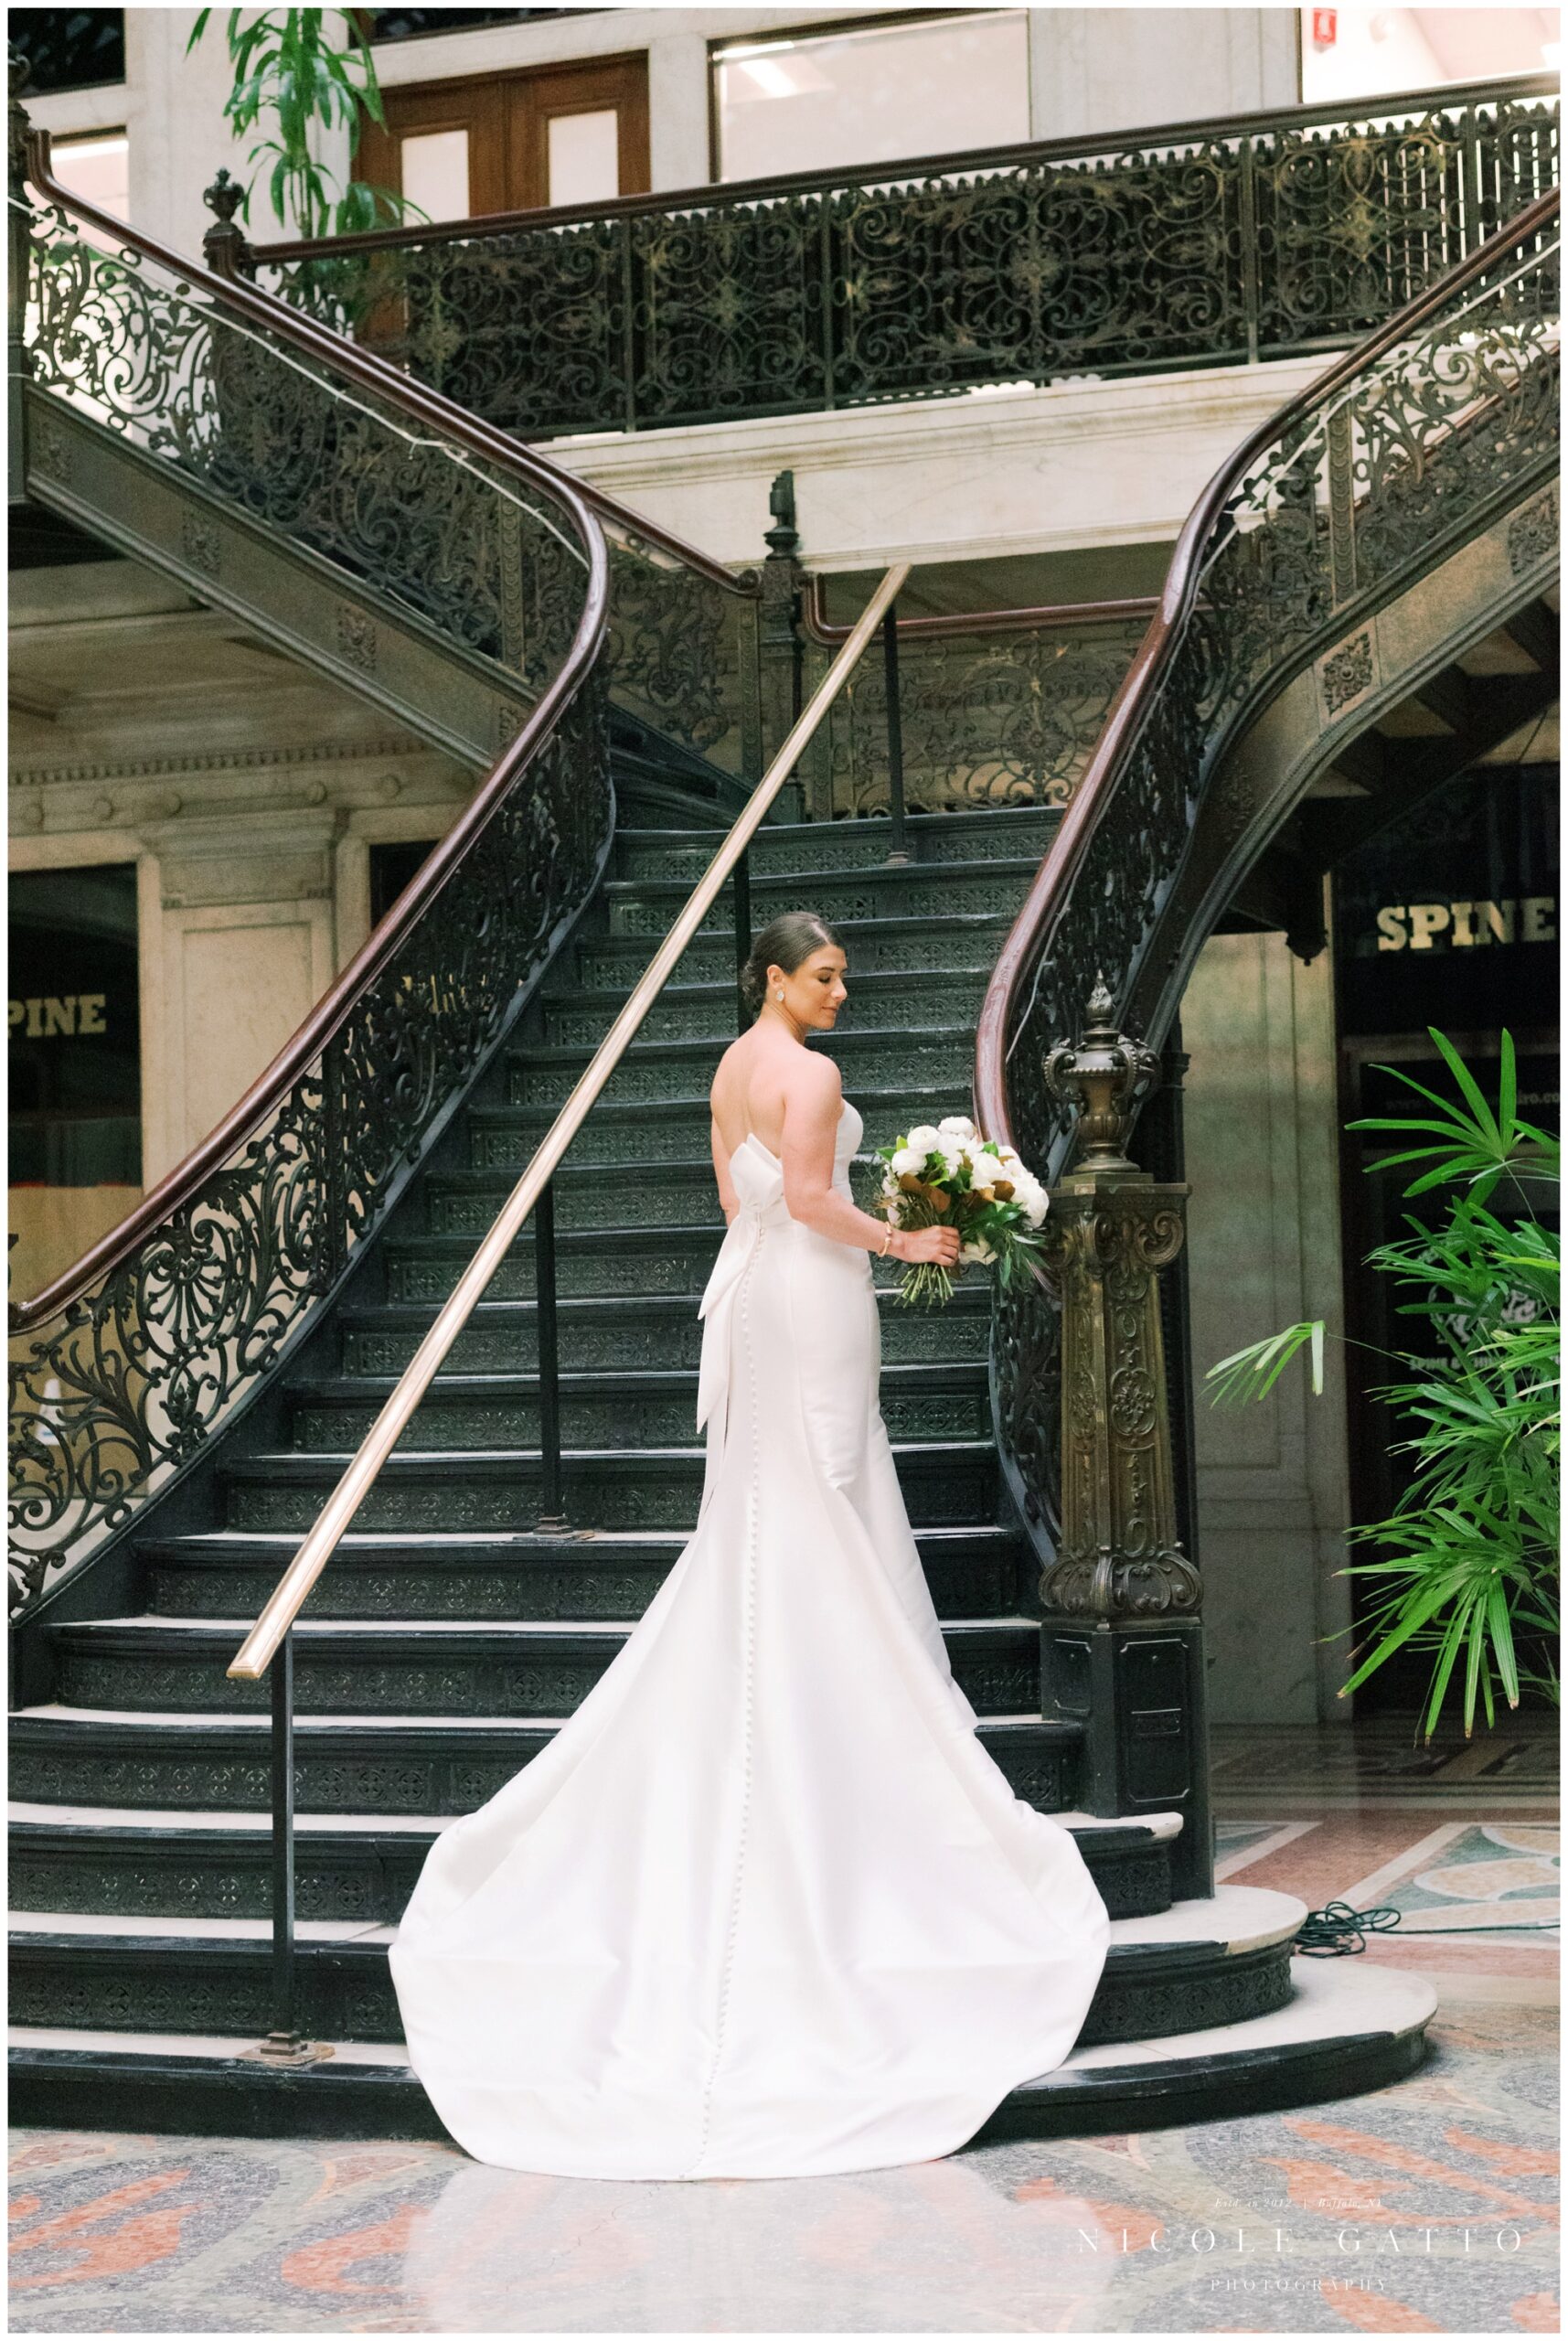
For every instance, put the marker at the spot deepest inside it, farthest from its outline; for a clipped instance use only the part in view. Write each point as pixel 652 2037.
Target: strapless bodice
pixel 757 1176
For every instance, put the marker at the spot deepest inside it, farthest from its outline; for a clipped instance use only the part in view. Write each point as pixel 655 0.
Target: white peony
pixel 907 1161
pixel 956 1126
pixel 924 1141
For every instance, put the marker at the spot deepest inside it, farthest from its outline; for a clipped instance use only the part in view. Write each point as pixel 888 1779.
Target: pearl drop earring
pixel 778 995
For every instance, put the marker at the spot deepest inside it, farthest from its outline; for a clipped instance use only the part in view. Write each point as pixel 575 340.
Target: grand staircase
pixel 455 1627
pixel 451 1635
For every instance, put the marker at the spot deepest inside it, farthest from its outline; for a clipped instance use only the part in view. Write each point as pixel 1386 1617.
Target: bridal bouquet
pixel 946 1172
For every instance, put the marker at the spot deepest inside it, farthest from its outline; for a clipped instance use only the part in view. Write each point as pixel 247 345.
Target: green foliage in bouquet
pixel 1468 1560
pixel 945 1175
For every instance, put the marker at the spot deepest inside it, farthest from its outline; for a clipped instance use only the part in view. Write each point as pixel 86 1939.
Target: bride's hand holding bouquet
pixel 946 1175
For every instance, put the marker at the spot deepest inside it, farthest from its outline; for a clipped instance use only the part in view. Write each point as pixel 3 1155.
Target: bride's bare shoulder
pixel 812 1078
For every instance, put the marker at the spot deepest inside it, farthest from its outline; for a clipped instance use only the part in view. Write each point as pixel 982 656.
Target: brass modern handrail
pixel 262 1642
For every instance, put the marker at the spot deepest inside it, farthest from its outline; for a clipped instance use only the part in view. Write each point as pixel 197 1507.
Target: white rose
pixel 906 1162
pixel 1035 1202
pixel 956 1126
pixel 923 1140
pixel 953 1158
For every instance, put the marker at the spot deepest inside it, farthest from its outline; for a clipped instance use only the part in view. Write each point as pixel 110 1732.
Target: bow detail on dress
pixel 757 1177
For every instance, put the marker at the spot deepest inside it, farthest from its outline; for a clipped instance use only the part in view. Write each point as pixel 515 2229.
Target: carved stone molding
pixel 1532 534
pixel 1347 672
pixel 227 760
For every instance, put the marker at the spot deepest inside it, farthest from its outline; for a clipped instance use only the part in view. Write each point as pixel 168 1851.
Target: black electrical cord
pixel 1339 1932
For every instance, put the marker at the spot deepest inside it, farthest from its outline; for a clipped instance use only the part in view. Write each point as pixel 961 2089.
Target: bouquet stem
pixel 926 1286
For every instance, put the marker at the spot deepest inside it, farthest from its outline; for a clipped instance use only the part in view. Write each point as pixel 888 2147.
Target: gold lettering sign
pixel 1466 926
pixel 78 1013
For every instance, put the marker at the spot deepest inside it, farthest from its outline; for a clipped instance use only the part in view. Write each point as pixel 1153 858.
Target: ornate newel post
pixel 1122 1640
pixel 224 246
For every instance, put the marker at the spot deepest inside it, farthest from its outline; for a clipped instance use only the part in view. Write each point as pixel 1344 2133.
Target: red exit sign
pixel 1325 27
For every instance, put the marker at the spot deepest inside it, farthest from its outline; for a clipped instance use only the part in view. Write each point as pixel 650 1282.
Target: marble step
pixel 792 847
pixel 391 1764
pixel 1193 1966
pixel 692 1011
pixel 971 1572
pixel 625 1330
pixel 649 906
pixel 677 1193
pixel 1347 2026
pixel 968 940
pixel 654 1290
pixel 361 1867
pixel 930 1061
pixel 945 1483
pixel 530 1670
pixel 632 1134
pixel 650 1407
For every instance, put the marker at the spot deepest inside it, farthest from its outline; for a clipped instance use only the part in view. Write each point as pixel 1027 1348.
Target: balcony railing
pixel 1208 243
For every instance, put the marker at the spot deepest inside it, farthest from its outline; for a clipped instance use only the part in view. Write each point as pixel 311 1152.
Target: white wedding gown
pixel 764 1907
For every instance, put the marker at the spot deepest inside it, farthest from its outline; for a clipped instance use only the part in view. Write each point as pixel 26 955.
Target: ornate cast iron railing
pixel 684 631
pixel 1000 707
pixel 1414 441
pixel 1204 243
pixel 122 1369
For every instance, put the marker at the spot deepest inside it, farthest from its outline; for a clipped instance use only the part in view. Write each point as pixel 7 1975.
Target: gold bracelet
pixel 886 1241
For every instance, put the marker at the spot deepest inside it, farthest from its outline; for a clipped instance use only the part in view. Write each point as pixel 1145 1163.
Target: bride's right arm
pixel 813 1096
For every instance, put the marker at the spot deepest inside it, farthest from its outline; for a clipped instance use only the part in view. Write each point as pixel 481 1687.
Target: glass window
pixel 1381 52
pixel 435 172
pixel 69 48
pixel 97 168
pixel 419 24
pixel 837 99
pixel 584 156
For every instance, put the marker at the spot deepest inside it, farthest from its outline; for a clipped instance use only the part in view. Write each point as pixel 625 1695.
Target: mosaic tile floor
pixel 1430 2207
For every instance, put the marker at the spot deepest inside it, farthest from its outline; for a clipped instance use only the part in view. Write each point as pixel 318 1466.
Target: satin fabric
pixel 764 1907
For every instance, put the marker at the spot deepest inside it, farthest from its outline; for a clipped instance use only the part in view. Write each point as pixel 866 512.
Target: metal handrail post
pixel 552 1505
pixel 743 905
pixel 284 2044
pixel 898 848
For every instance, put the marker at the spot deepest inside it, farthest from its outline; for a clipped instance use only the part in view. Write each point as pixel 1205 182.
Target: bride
pixel 764 1907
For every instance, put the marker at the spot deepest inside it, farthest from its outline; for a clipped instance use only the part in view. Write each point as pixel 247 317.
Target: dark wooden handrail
pixel 1454 96
pixel 1092 800
pixel 332 1011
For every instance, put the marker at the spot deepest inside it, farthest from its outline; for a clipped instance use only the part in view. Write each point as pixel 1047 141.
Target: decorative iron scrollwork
pixel 1431 440
pixel 1275 235
pixel 116 1392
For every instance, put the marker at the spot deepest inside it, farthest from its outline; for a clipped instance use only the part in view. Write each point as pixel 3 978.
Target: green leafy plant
pixel 295 84
pixel 291 81
pixel 1468 1559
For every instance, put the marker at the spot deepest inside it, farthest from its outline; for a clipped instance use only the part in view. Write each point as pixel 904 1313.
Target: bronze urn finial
pixel 1107 1074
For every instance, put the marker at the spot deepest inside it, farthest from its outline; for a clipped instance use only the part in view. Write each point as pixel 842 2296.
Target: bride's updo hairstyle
pixel 787 943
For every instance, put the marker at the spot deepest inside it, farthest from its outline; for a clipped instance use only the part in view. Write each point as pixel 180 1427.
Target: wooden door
pixel 560 134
